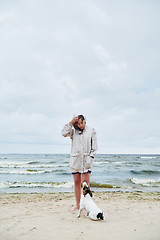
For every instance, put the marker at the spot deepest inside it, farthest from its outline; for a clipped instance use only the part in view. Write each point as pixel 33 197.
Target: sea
pixel 50 173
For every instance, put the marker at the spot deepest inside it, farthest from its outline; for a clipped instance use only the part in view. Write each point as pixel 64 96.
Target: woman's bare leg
pixel 86 178
pixel 77 189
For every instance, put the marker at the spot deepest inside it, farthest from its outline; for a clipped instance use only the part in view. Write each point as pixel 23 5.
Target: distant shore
pixel 47 216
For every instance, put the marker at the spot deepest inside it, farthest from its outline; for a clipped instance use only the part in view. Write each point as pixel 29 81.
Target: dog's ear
pixel 85 190
pixel 90 193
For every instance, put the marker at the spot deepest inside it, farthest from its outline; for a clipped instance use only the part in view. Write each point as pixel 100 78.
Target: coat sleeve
pixel 94 146
pixel 67 130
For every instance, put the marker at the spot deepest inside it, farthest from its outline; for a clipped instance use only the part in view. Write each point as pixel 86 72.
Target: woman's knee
pixel 86 178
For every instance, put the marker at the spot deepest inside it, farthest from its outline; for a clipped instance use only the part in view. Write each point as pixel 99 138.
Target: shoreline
pixel 71 190
pixel 46 216
pixel 137 195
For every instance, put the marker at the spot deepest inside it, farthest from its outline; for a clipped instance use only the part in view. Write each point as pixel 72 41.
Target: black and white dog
pixel 88 204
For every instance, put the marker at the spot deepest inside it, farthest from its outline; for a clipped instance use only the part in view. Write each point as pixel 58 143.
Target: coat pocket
pixel 75 162
pixel 88 162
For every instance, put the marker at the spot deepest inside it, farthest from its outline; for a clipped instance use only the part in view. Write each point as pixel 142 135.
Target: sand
pixel 47 216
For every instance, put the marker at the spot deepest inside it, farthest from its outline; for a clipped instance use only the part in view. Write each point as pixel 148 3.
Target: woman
pixel 83 150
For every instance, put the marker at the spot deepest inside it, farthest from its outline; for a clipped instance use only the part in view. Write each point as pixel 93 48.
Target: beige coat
pixel 84 147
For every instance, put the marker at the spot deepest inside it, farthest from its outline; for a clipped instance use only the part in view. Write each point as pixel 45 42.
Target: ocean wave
pixel 14 162
pixel 22 165
pixel 100 163
pixel 101 185
pixel 119 163
pixel 24 172
pixel 36 184
pixel 34 162
pixel 64 173
pixel 133 163
pixel 20 184
pixel 156 165
pixel 151 172
pixel 25 166
pixel 147 157
pixel 146 182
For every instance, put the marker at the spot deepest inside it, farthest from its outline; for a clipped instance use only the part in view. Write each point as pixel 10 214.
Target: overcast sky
pixel 99 58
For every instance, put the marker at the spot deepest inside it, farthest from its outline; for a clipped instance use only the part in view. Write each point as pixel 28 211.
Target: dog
pixel 93 212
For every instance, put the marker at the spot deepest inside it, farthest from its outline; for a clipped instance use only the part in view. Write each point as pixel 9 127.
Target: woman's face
pixel 81 124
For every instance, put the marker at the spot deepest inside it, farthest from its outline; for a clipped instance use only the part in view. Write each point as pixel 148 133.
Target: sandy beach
pixel 47 216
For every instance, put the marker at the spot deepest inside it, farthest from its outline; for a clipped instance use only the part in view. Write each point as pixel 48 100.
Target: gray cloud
pixel 99 58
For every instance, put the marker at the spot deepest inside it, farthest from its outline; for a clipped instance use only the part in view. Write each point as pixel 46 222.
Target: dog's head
pixel 86 189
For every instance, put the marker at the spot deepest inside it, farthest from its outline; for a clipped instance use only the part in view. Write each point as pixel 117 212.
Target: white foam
pixel 27 165
pixel 99 163
pixel 145 182
pixel 119 163
pixel 11 163
pixel 36 184
pixel 26 172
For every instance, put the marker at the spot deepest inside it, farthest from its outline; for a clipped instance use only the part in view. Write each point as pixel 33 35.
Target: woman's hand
pixel 75 119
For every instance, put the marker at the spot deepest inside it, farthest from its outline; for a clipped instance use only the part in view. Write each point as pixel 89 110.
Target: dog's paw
pixel 87 215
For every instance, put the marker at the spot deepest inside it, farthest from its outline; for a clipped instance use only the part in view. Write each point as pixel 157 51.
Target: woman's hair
pixel 82 118
pixel 75 124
